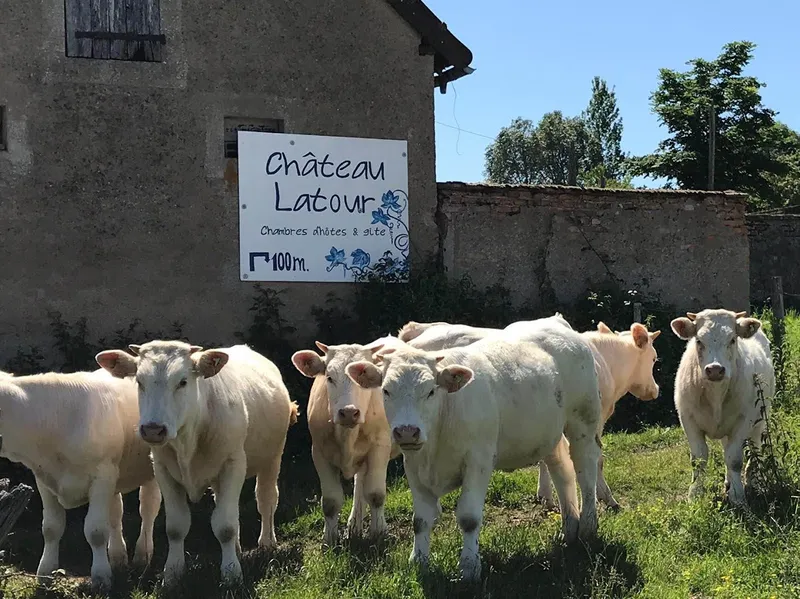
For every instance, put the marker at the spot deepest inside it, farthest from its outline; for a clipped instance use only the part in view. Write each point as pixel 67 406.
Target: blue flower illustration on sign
pixel 360 257
pixel 390 201
pixel 379 216
pixel 390 267
pixel 336 257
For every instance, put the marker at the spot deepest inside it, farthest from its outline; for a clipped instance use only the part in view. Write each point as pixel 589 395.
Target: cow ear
pixel 639 334
pixel 119 363
pixel 210 362
pixel 308 363
pixel 683 328
pixel 454 377
pixel 603 328
pixel 747 327
pixel 365 374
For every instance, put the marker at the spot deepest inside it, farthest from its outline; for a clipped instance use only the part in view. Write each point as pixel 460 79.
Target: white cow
pixel 432 336
pixel 350 436
pixel 511 413
pixel 77 433
pixel 213 418
pixel 624 364
pixel 727 356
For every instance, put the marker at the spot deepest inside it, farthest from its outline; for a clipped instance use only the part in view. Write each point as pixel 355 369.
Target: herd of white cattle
pixel 458 402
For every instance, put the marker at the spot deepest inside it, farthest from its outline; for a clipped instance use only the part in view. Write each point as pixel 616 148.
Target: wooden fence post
pixel 637 312
pixel 12 504
pixel 778 327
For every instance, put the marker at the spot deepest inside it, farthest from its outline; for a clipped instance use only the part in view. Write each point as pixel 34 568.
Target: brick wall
pixel 774 251
pixel 552 244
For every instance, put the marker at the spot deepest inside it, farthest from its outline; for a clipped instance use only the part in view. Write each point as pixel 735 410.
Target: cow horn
pixel 691 315
pixel 741 314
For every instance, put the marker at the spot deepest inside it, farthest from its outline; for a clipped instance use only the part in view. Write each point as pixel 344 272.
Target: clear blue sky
pixel 534 56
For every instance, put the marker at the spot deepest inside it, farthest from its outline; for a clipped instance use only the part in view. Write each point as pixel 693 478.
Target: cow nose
pixel 349 416
pixel 153 433
pixel 715 372
pixel 406 435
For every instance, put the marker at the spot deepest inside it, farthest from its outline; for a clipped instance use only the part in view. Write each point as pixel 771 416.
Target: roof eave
pixel 451 56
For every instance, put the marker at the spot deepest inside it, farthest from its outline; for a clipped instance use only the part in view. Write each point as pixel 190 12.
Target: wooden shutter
pixel 114 29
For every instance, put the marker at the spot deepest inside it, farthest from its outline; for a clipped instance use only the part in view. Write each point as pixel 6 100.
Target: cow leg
pixel 178 520
pixel 117 549
pixel 560 466
pixel 545 490
pixel 733 450
pixel 698 450
pixel 426 510
pixel 355 521
pixel 267 501
pixel 97 525
pixel 584 449
pixel 225 517
pixel 332 495
pixel 149 504
pixel 54 521
pixel 469 513
pixel 603 490
pixel 375 489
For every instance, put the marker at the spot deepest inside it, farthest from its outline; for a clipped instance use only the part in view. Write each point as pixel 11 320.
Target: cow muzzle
pixel 407 437
pixel 153 433
pixel 714 372
pixel 348 417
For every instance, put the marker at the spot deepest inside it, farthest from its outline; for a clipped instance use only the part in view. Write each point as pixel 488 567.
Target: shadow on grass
pixel 297 486
pixel 597 570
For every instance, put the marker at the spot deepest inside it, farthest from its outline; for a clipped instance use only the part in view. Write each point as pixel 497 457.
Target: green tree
pixel 562 150
pixel 604 129
pixel 552 152
pixel 750 147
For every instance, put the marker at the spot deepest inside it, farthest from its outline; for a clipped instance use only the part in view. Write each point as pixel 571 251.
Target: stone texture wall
pixel 550 243
pixel 774 251
pixel 117 200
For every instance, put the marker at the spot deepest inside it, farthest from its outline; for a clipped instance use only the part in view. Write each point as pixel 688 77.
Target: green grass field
pixel 657 546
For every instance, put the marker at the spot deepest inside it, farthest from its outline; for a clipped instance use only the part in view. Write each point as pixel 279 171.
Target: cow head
pixel 348 403
pixel 641 382
pixel 714 335
pixel 414 385
pixel 168 376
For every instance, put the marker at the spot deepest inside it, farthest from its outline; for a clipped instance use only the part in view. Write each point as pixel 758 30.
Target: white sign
pixel 318 208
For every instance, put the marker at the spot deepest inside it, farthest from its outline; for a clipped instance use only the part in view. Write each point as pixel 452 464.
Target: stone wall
pixel 117 198
pixel 774 251
pixel 551 244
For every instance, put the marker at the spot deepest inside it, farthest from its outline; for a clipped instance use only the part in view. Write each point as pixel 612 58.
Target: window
pixel 3 129
pixel 114 29
pixel 234 124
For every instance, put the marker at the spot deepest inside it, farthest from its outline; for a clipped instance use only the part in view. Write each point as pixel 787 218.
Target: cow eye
pixel 733 341
pixel 182 383
pixel 385 393
pixel 330 380
pixel 699 345
pixel 139 384
pixel 431 393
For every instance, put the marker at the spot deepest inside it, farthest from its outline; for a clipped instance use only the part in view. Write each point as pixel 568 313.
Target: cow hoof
pixel 614 508
pixel 232 574
pixel 471 571
pixel 101 583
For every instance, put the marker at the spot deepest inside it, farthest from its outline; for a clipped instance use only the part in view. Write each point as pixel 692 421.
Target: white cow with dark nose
pixel 213 418
pixel 726 358
pixel 461 413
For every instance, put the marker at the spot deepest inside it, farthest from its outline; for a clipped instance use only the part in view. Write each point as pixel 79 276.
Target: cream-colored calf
pixel 213 418
pixel 77 433
pixel 350 436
